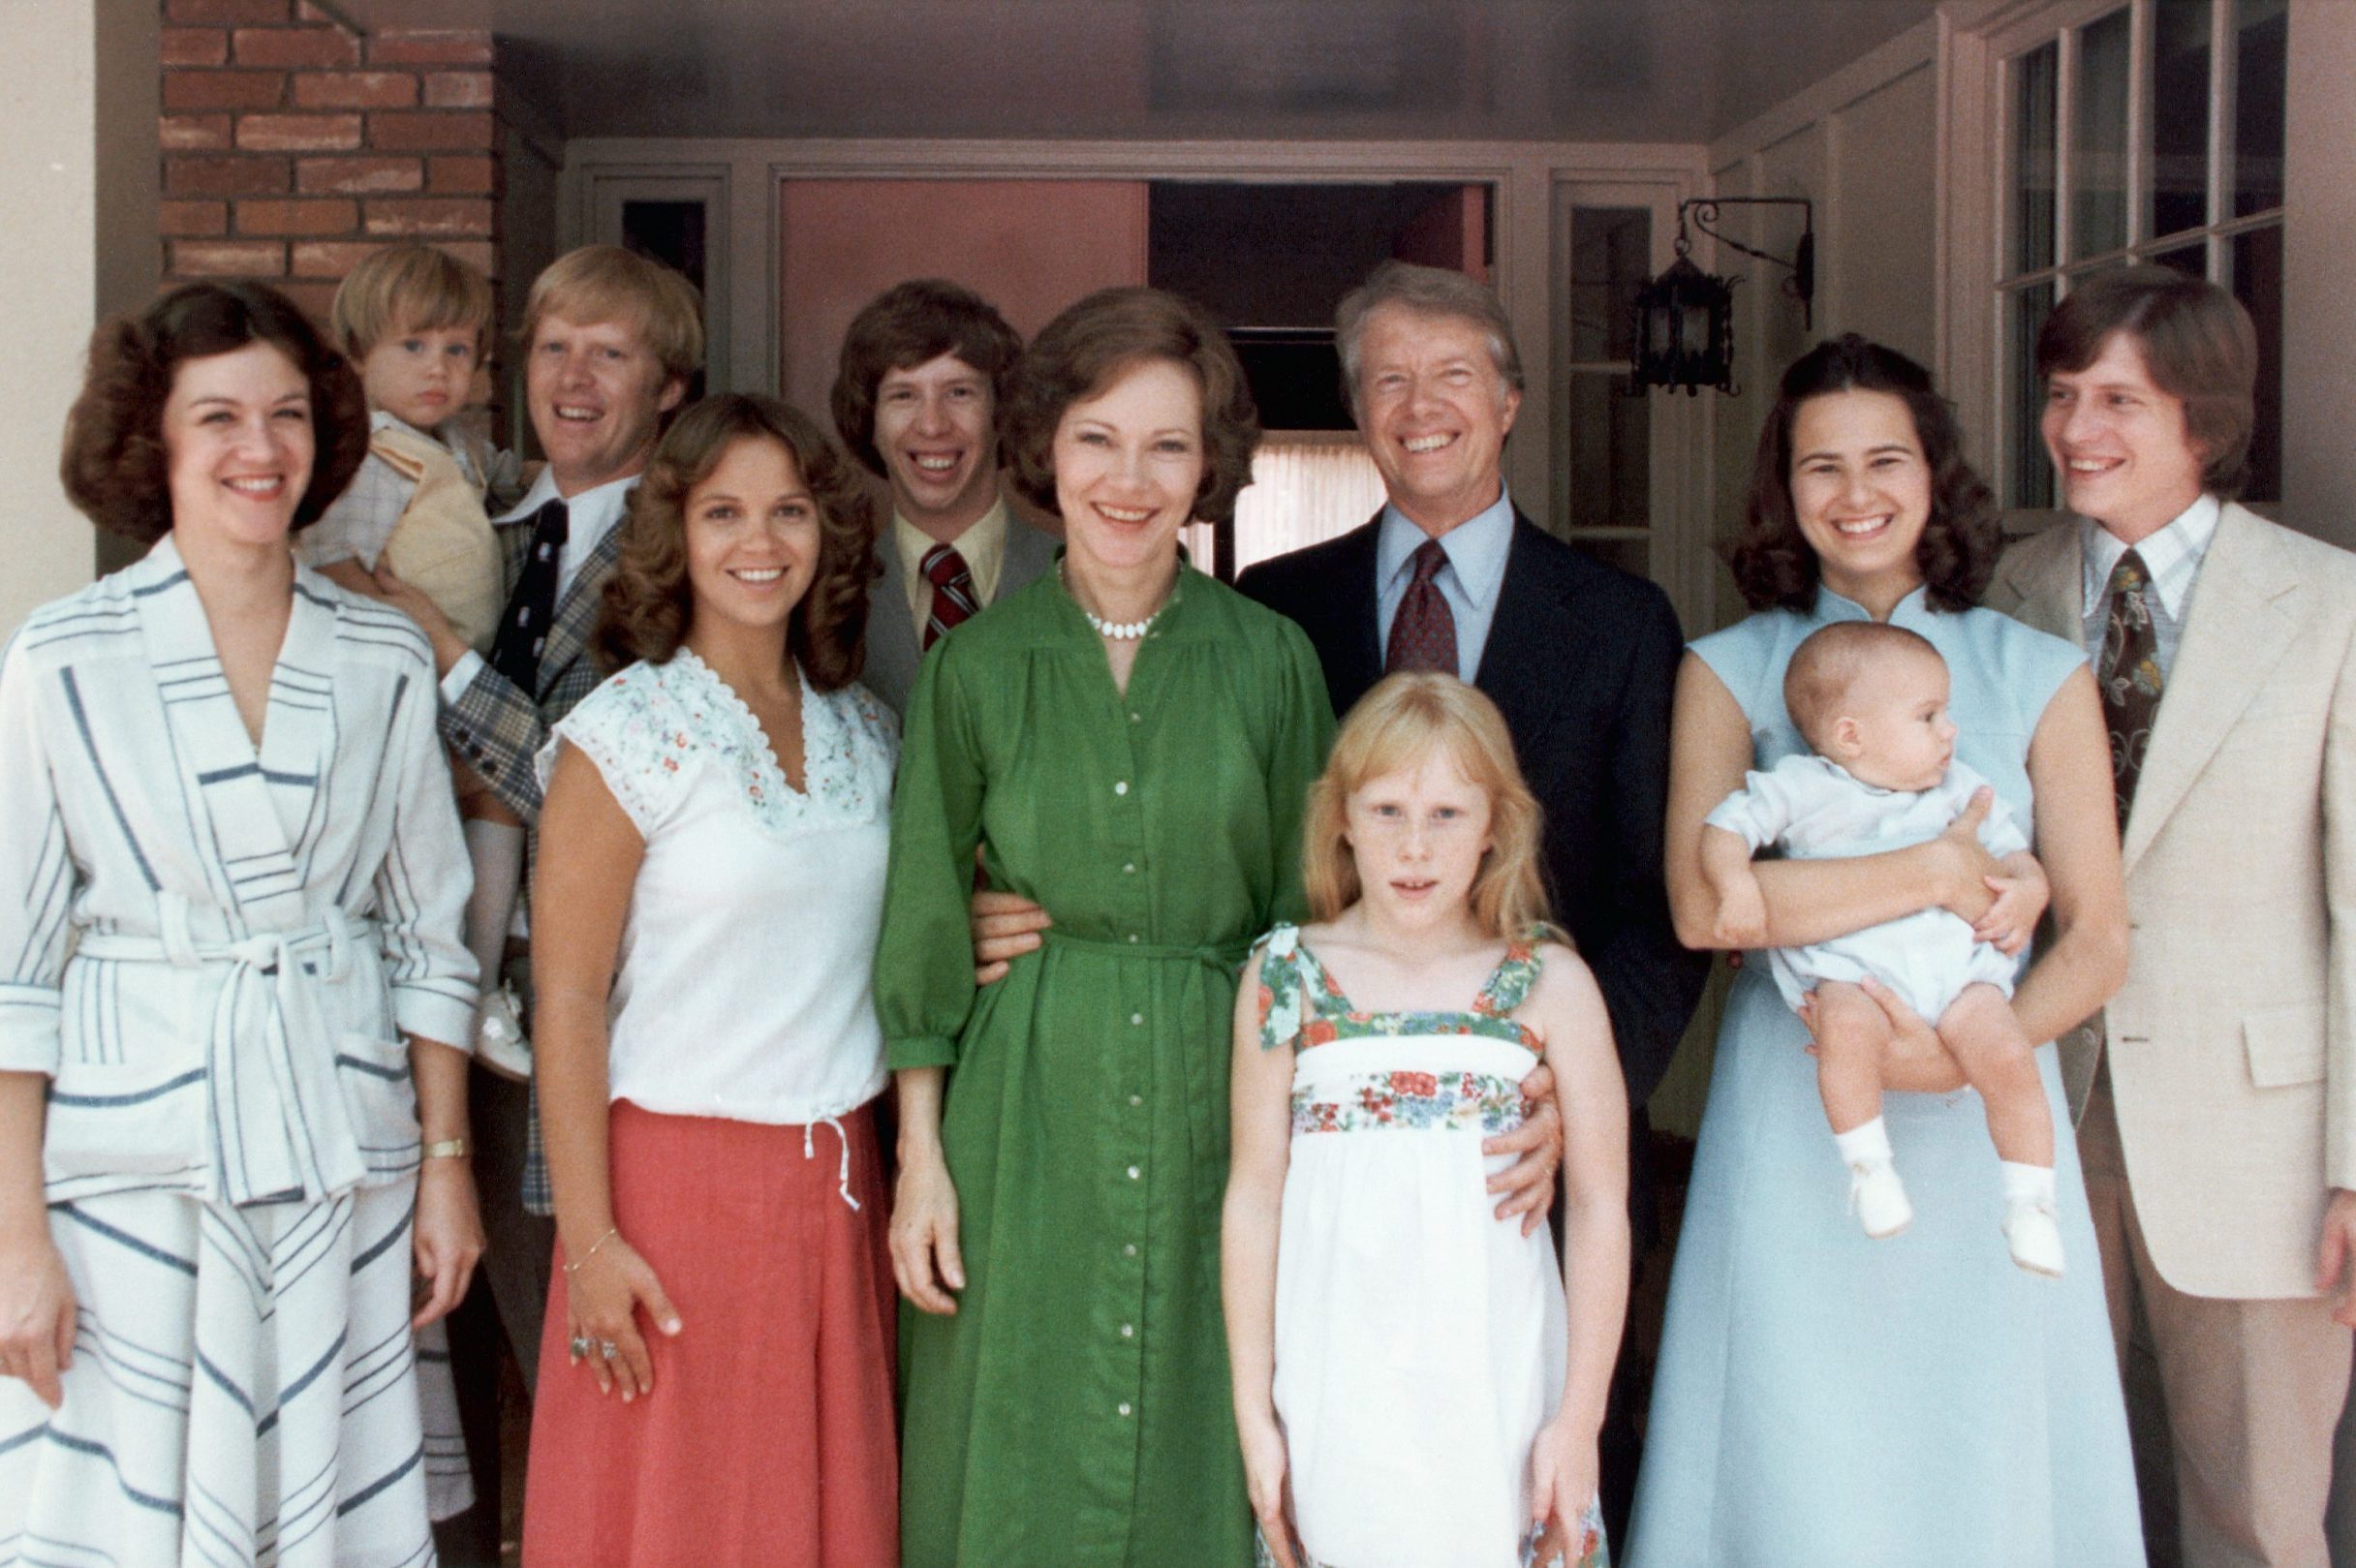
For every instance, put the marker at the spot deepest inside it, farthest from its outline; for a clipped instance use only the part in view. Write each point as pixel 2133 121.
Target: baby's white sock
pixel 496 851
pixel 2028 1184
pixel 1869 1145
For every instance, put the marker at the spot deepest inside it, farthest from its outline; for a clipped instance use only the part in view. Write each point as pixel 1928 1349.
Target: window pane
pixel 2033 477
pixel 2098 151
pixel 1611 436
pixel 2261 76
pixel 2036 82
pixel 2257 282
pixel 2191 259
pixel 1611 256
pixel 2180 115
pixel 670 233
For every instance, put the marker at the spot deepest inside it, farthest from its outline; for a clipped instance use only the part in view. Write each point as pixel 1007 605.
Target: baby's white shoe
pixel 2035 1236
pixel 1878 1199
pixel 500 1043
pixel 2031 1229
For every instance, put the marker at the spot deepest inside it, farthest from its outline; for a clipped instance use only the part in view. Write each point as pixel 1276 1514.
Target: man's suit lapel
pixel 1356 657
pixel 2243 622
pixel 2039 583
pixel 1030 552
pixel 891 632
pixel 1530 632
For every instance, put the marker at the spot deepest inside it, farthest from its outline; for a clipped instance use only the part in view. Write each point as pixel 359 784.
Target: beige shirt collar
pixel 983 546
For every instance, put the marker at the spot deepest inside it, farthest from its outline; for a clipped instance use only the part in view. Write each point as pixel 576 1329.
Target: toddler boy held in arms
pixel 415 322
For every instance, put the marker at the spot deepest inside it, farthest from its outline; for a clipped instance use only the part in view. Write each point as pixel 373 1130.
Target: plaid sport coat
pixel 499 730
pixel 498 727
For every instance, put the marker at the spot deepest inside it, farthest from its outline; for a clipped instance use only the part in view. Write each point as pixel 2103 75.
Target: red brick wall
pixel 293 147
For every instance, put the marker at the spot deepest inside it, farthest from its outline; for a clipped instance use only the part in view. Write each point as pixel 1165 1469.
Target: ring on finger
pixel 581 1345
pixel 609 1349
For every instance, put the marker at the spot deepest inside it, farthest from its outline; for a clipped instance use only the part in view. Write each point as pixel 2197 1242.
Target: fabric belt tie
pixel 1206 1071
pixel 277 1123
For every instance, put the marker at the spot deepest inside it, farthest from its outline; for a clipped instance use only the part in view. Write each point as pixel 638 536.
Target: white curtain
pixel 1305 487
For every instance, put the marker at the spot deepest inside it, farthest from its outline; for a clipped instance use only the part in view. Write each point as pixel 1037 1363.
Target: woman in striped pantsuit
pixel 231 880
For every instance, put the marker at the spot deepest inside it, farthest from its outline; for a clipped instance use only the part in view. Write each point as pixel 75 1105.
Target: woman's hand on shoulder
pixel 447 1235
pixel 37 1313
pixel 603 1294
pixel 925 1261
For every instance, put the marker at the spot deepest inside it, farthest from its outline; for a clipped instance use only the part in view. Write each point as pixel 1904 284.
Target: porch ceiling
pixel 1407 70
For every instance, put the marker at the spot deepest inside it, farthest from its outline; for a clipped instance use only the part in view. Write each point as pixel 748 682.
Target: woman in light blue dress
pixel 1824 1399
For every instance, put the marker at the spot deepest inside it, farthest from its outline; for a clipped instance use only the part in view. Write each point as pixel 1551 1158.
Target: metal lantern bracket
pixel 1684 320
pixel 1801 284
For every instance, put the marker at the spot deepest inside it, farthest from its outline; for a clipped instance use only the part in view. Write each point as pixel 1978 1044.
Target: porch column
pixel 77 241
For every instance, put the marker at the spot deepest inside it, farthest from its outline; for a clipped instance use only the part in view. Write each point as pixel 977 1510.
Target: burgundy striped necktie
pixel 1423 631
pixel 952 591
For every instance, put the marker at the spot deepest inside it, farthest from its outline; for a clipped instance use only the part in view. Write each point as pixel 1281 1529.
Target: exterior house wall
pixel 291 147
pixel 1863 146
pixel 76 242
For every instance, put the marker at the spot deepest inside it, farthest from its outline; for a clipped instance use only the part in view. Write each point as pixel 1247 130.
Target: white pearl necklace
pixel 1117 631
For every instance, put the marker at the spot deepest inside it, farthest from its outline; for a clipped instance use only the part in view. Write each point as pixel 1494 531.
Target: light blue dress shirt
pixel 1476 550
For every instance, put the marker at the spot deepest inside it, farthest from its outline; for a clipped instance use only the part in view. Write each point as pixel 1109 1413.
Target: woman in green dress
pixel 1129 744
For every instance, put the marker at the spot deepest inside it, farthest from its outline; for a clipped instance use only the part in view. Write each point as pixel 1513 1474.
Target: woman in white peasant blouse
pixel 231 878
pixel 715 1378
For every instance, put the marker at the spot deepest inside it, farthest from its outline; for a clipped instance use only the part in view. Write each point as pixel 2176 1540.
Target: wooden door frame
pixel 1523 175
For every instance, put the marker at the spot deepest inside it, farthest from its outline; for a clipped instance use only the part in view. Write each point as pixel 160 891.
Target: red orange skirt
pixel 768 1437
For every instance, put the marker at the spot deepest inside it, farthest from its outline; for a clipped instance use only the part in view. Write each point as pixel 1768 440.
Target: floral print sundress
pixel 1419 1340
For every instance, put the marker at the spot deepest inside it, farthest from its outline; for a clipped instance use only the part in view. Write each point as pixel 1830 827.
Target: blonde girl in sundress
pixel 1409 1389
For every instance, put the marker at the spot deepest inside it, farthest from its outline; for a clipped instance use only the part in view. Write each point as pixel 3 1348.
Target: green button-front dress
pixel 1075 1412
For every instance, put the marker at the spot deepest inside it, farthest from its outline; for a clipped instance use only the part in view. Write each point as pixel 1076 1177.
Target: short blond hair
pixel 408 287
pixel 606 283
pixel 1392 727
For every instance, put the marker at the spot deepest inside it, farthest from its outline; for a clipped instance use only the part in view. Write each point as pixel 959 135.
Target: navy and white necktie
pixel 523 626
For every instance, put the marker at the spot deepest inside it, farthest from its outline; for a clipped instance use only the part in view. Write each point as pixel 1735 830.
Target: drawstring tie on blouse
pixel 842 1172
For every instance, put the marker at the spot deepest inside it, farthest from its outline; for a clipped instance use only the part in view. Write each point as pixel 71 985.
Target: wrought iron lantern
pixel 1685 318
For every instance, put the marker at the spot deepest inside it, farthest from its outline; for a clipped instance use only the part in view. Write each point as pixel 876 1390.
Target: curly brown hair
pixel 909 325
pixel 113 465
pixel 1773 567
pixel 649 602
pixel 1084 350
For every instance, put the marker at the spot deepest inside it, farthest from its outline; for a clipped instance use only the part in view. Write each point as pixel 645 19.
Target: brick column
pixel 292 148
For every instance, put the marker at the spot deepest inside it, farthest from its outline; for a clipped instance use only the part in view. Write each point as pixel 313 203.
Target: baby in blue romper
pixel 1872 701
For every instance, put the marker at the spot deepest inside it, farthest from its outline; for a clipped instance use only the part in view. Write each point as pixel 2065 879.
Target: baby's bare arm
pixel 1742 908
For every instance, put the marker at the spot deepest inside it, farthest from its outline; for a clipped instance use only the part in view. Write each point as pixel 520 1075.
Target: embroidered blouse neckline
pixel 753 743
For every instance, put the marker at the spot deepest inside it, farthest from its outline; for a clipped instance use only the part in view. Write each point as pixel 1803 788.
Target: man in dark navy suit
pixel 1579 657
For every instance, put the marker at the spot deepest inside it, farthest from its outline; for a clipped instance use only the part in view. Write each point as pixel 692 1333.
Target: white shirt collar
pixel 1476 547
pixel 2171 556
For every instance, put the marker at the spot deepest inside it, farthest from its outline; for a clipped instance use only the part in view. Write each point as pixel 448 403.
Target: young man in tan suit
pixel 2219 1090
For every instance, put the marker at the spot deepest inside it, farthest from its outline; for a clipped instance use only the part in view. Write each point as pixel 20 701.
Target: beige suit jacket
pixel 2233 1043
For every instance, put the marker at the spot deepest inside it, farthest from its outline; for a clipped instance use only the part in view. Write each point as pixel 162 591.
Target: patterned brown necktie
pixel 952 591
pixel 1423 631
pixel 2129 676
